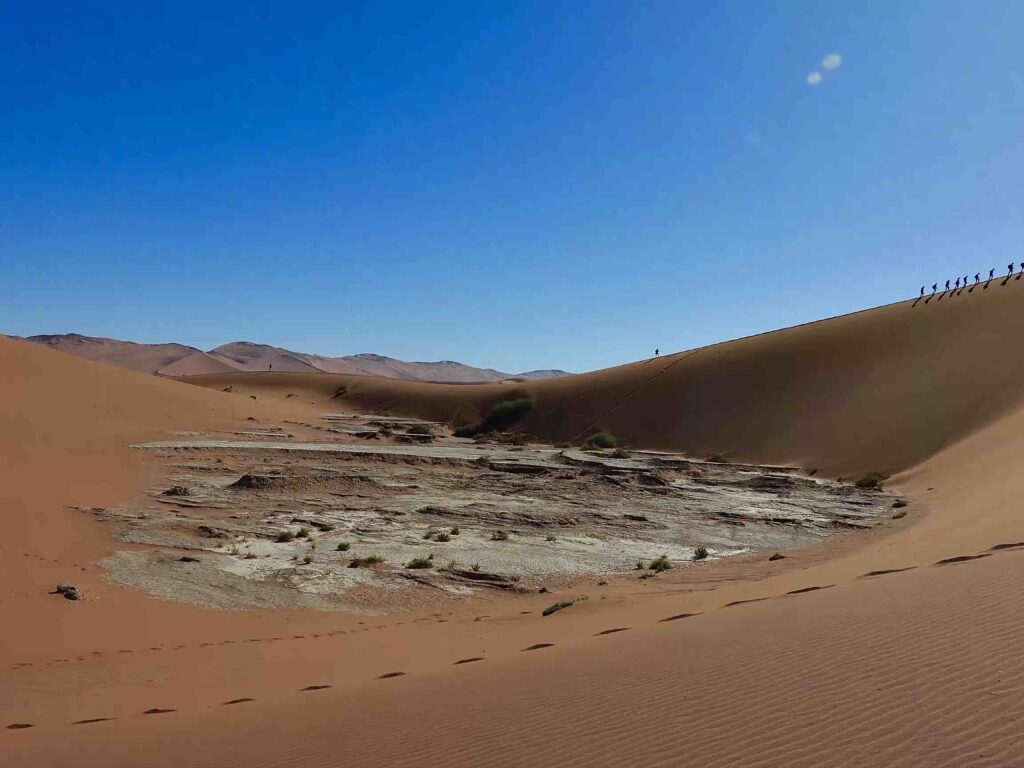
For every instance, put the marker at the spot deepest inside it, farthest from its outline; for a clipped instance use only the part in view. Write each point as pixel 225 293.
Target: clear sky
pixel 517 185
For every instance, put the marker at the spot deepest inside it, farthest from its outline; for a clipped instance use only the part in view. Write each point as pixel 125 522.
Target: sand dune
pixel 895 646
pixel 877 390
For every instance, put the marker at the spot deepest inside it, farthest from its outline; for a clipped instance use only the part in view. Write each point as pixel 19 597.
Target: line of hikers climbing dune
pixel 1010 269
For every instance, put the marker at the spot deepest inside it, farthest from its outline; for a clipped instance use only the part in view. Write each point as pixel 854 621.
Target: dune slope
pixel 878 390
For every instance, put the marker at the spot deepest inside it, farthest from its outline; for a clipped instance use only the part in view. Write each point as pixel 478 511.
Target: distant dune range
pixel 898 645
pixel 182 360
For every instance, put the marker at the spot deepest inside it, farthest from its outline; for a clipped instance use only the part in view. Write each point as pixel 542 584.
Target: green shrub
pixel 601 440
pixel 551 537
pixel 344 546
pixel 777 556
pixel 361 562
pixel 639 565
pixel 303 533
pixel 421 562
pixel 475 567
pixel 499 536
pixel 455 531
pixel 557 607
pixel 700 553
pixel 899 504
pixel 503 415
pixel 442 537
pixel 871 480
pixel 620 453
pixel 284 537
pixel 660 564
pixel 420 429
pixel 307 559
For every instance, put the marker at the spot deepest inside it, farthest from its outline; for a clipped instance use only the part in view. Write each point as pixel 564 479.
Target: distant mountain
pixel 182 360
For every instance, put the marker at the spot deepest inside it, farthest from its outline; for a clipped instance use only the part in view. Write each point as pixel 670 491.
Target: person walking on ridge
pixel 991 273
pixel 947 285
pixel 957 284
pixel 976 277
pixel 935 287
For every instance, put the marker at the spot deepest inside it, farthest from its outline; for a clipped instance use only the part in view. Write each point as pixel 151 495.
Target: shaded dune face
pixel 881 390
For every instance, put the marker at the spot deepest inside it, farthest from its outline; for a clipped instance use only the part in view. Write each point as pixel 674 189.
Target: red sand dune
pixel 913 666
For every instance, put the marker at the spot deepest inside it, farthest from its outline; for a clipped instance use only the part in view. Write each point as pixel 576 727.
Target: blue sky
pixel 517 185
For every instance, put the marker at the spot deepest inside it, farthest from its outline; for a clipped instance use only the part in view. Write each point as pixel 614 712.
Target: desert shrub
pixel 475 567
pixel 871 480
pixel 442 537
pixel 307 559
pixel 601 440
pixel 343 546
pixel 284 537
pixel 777 556
pixel 503 415
pixel 250 556
pixel 303 533
pixel 419 429
pixel 429 534
pixel 557 607
pixel 639 565
pixel 700 553
pixel 899 504
pixel 660 564
pixel 551 537
pixel 499 536
pixel 177 490
pixel 421 562
pixel 455 531
pixel 361 562
pixel 620 453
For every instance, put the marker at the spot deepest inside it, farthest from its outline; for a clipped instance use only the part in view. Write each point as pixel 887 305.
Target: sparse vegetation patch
pixel 503 415
pixel 660 564
pixel 362 562
pixel 871 480
pixel 700 553
pixel 601 440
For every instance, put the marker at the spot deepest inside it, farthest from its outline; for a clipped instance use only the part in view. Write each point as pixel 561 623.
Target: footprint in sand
pixel 470 660
pixel 391 674
pixel 93 720
pixel 237 701
pixel 962 559
pixel 885 571
pixel 19 726
pixel 158 711
pixel 804 590
pixel 1013 545
pixel 538 646
pixel 744 602
pixel 611 631
pixel 315 687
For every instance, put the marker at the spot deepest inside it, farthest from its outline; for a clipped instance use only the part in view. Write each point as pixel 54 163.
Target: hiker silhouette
pixel 657 351
pixel 947 285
